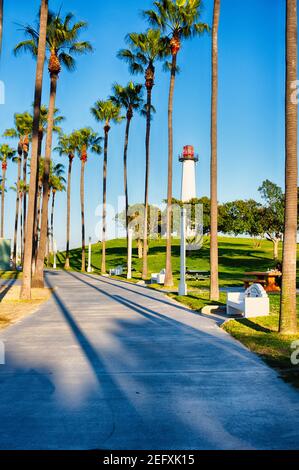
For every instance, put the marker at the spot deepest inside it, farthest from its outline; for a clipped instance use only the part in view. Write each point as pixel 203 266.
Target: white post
pixel 54 252
pixel 183 285
pixel 130 237
pixel 89 270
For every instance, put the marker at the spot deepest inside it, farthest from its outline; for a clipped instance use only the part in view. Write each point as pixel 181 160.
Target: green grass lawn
pixel 236 256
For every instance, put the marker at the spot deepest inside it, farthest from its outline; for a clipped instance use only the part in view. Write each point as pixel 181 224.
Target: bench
pixel 248 282
pixel 254 302
pixel 118 271
pixel 158 278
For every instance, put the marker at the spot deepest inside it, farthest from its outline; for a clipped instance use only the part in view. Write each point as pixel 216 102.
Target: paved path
pixel 108 365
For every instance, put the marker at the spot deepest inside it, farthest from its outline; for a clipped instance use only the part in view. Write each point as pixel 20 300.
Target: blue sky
pixel 251 102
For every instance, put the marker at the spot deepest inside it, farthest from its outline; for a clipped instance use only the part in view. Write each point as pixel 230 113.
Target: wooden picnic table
pixel 267 278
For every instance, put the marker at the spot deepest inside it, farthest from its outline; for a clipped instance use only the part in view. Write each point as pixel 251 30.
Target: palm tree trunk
pixel 52 221
pixel 103 266
pixel 48 251
pixel 26 283
pixel 21 230
pixel 168 274
pixel 146 186
pixel 68 216
pixel 214 283
pixel 288 314
pixel 38 280
pixel 83 263
pixel 38 220
pixel 126 180
pixel 15 242
pixel 37 205
pixel 1 23
pixel 25 158
pixel 2 202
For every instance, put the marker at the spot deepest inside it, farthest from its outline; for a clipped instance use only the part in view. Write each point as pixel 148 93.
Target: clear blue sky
pixel 251 102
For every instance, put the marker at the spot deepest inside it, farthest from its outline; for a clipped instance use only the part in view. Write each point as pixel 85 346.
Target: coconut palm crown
pixel 86 140
pixel 62 41
pixel 58 119
pixel 22 130
pixel 143 50
pixel 179 19
pixel 128 97
pixel 107 112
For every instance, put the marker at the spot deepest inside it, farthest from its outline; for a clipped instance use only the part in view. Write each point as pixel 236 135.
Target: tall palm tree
pixel 144 49
pixel 86 141
pixel 288 313
pixel 130 99
pixel 6 154
pixel 37 220
pixel 1 23
pixel 24 189
pixel 62 44
pixel 106 112
pixel 57 184
pixel 41 53
pixel 214 283
pixel 22 130
pixel 43 127
pixel 67 147
pixel 179 19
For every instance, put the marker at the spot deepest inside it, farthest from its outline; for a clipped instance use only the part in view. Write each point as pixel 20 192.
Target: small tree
pixel 273 216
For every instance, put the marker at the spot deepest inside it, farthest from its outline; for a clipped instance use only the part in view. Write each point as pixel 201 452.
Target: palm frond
pixel 67 60
pixel 26 46
pixel 81 48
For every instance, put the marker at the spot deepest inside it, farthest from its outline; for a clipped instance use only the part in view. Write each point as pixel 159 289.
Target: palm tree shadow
pixel 125 379
pixel 8 286
pixel 252 325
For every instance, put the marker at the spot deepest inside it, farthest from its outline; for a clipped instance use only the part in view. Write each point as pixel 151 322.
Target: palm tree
pixel 67 147
pixel 22 130
pixel 129 98
pixel 43 127
pixel 179 19
pixel 107 112
pixel 62 44
pixel 6 154
pixel 37 220
pixel 144 50
pixel 288 314
pixel 57 184
pixel 214 283
pixel 23 191
pixel 86 141
pixel 41 53
pixel 1 23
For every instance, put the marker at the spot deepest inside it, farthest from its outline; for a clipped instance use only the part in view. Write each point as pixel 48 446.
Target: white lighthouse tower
pixel 189 160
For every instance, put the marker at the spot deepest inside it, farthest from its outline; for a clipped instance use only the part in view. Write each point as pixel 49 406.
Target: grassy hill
pixel 236 256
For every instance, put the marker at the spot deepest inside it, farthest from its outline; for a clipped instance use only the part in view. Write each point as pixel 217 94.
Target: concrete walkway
pixel 107 365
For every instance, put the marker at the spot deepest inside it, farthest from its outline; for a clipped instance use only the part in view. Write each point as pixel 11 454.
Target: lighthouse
pixel 189 229
pixel 189 160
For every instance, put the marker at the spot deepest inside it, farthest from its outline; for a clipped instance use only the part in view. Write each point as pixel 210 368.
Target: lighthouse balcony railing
pixel 194 158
